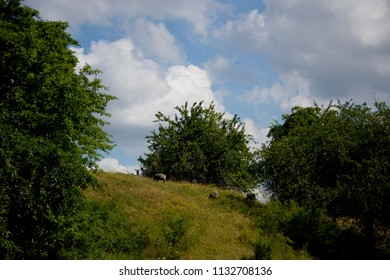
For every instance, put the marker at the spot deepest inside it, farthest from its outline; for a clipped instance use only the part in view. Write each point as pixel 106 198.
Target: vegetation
pixel 200 144
pixel 327 170
pixel 134 217
pixel 51 133
pixel 334 161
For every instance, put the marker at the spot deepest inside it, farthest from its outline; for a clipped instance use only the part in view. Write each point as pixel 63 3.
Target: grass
pixel 134 217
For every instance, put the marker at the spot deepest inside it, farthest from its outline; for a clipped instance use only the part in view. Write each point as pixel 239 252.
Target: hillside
pixel 134 217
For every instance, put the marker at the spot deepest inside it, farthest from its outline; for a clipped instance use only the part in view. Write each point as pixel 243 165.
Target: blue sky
pixel 256 59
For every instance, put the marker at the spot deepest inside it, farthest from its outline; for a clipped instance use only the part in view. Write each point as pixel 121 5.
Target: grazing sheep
pixel 213 195
pixel 160 176
pixel 251 196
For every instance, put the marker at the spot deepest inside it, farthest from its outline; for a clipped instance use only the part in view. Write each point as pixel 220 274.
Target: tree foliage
pixel 51 134
pixel 200 144
pixel 334 158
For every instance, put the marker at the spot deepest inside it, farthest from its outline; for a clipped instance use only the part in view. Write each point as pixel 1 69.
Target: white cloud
pixel 198 13
pixel 189 83
pixel 139 83
pixel 74 12
pixel 112 165
pixel 319 50
pixel 368 20
pixel 247 32
pixel 222 68
pixel 219 63
pixel 292 90
pixel 228 70
pixel 333 45
pixel 156 41
pixel 144 88
pixel 259 134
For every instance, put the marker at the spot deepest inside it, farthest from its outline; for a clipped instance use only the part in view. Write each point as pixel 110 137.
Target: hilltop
pixel 133 217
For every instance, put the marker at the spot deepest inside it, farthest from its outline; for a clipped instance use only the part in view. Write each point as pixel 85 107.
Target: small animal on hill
pixel 251 196
pixel 213 195
pixel 160 176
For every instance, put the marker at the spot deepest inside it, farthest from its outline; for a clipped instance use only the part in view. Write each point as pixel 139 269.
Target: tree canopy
pixel 334 158
pixel 200 144
pixel 51 132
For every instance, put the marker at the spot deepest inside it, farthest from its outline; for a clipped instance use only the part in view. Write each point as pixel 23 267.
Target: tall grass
pixel 133 217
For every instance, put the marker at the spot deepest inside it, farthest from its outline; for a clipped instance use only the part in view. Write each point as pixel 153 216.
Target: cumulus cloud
pixel 144 88
pixel 74 12
pixel 292 90
pixel 284 54
pixel 112 165
pixel 219 68
pixel 248 32
pixel 189 84
pixel 198 13
pixel 155 40
pixel 259 134
pixel 368 21
pixel 327 46
pixel 319 50
pixel 230 69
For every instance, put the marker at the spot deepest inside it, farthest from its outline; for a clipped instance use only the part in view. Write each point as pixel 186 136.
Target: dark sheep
pixel 160 176
pixel 213 195
pixel 251 196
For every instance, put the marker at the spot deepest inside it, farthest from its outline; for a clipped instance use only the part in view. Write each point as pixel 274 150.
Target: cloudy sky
pixel 256 59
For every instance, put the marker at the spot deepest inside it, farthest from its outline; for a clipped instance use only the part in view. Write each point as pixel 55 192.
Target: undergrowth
pixel 136 218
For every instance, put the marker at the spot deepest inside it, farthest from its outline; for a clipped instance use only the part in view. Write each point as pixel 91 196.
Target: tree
pixel 200 144
pixel 335 159
pixel 299 117
pixel 51 132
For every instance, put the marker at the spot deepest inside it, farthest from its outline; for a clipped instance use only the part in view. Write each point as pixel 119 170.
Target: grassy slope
pixel 137 218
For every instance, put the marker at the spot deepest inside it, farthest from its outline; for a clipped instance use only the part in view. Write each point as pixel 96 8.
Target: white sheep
pixel 160 176
pixel 213 195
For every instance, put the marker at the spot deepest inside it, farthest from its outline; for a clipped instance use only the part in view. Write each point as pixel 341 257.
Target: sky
pixel 255 59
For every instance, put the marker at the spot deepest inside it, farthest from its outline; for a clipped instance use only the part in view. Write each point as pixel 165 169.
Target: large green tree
pixel 334 158
pixel 51 135
pixel 200 144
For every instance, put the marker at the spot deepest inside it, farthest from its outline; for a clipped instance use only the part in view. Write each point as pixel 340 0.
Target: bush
pixel 323 238
pixel 263 250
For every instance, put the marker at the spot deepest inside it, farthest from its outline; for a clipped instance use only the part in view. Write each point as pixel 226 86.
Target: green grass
pixel 137 218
